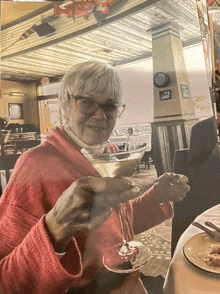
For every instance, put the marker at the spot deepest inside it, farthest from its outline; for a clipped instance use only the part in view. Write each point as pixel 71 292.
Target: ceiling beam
pixel 136 9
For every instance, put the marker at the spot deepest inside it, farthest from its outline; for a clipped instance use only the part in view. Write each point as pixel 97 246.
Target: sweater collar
pixel 69 149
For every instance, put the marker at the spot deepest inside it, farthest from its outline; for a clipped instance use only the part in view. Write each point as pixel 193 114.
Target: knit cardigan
pixel 28 263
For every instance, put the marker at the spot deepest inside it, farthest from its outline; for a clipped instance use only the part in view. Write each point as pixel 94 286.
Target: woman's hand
pixel 171 187
pixel 84 206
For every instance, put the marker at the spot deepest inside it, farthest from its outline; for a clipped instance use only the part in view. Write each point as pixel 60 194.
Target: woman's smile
pixel 97 128
pixel 96 132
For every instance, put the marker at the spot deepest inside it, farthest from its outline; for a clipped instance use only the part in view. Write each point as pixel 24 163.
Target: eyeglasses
pixel 89 106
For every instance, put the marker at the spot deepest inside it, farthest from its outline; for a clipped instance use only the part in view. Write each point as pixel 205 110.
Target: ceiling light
pixel 14 93
pixel 106 50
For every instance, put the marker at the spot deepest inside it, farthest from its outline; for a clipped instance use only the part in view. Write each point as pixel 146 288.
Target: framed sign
pixel 185 91
pixel 165 95
pixel 15 110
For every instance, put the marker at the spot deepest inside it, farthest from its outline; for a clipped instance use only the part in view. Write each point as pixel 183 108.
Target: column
pixel 174 113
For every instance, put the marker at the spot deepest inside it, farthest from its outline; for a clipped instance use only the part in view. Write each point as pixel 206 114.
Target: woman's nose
pixel 100 113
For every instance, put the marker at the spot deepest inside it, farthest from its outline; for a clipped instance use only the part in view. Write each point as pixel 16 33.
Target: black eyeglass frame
pixel 100 105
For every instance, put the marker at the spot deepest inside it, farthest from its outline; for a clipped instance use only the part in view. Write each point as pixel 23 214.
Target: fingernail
pixel 136 189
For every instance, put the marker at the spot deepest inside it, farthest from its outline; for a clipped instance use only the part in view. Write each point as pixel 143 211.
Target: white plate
pixel 195 249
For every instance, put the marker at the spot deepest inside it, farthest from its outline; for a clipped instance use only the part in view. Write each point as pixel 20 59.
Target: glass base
pixel 126 258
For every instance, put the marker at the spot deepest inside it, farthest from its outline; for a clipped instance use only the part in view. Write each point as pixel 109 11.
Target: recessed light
pixel 106 50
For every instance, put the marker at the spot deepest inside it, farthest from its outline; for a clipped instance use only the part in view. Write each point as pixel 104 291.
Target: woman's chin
pixel 95 142
pixel 95 139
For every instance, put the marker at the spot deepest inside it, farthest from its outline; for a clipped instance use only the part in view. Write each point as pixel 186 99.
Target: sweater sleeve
pixel 148 212
pixel 30 265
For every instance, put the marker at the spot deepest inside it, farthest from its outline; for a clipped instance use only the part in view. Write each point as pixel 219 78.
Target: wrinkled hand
pixel 85 205
pixel 171 187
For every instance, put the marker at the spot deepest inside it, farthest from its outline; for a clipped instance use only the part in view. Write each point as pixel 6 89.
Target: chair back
pixel 180 162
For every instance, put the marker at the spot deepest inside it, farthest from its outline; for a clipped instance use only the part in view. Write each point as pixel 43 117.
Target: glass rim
pixel 113 153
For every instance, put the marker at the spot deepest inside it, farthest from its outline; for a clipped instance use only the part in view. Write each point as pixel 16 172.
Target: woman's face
pixel 91 129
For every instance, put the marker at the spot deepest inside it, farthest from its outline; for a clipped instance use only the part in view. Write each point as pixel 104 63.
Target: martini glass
pixel 127 256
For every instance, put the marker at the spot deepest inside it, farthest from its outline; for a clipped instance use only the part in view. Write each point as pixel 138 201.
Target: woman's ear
pixel 66 114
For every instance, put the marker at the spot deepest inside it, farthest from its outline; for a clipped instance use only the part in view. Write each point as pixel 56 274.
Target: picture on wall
pixel 165 95
pixel 185 91
pixel 15 110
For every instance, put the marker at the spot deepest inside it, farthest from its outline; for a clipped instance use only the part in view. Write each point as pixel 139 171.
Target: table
pixel 182 276
pixel 22 145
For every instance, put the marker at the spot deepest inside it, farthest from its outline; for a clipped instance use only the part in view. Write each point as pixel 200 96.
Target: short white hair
pixel 89 77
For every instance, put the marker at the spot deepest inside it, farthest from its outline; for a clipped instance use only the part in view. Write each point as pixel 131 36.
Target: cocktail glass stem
pixel 125 249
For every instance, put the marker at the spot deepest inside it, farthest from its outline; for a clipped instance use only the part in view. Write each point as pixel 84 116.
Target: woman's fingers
pixel 95 218
pixel 171 187
pixel 112 198
pixel 178 182
pixel 174 178
pixel 169 176
pixel 87 203
pixel 107 192
pixel 177 192
pixel 179 198
pixel 181 180
pixel 99 217
pixel 98 184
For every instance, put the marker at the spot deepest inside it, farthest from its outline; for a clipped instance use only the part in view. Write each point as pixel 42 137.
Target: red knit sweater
pixel 28 263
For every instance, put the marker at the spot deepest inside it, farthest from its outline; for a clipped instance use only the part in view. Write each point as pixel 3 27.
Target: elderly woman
pixel 52 238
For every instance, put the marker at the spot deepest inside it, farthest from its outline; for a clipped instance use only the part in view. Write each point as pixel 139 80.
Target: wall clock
pixel 161 80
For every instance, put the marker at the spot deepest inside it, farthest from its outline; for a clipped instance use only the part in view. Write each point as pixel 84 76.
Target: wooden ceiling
pixel 121 38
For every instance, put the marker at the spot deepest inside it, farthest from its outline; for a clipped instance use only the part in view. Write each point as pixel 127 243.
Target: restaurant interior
pixel 167 53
